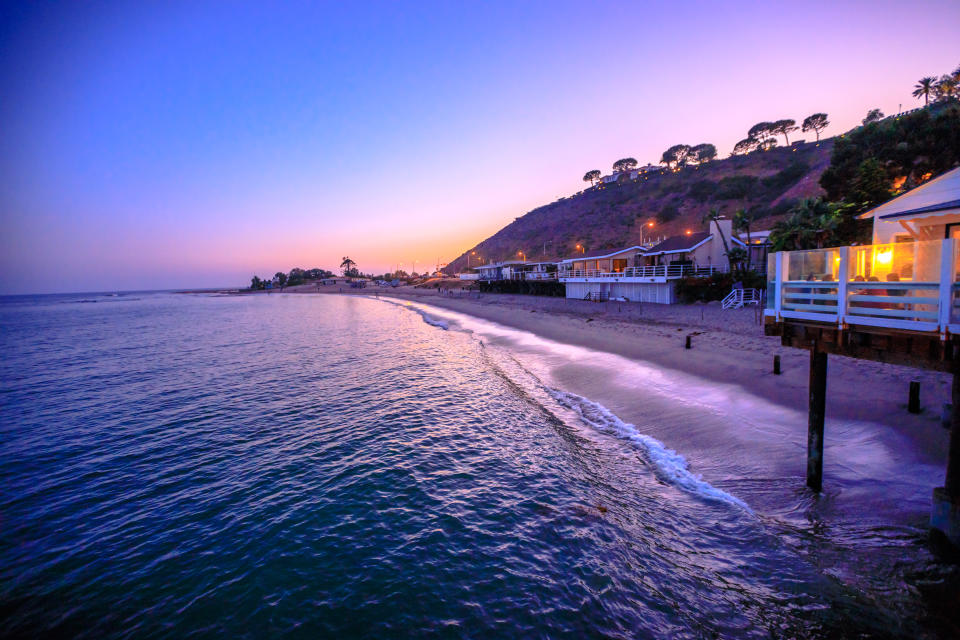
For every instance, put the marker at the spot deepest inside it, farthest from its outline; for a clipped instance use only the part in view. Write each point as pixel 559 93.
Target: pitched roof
pixel 675 244
pixel 609 255
pixel 941 193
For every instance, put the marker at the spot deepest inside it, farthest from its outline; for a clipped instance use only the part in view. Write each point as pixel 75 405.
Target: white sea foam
pixel 435 322
pixel 442 324
pixel 670 466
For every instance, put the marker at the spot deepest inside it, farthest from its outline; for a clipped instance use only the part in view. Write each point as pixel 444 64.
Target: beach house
pixel 530 271
pixel 929 212
pixel 896 300
pixel 757 244
pixel 639 274
pixel 904 280
pixel 516 270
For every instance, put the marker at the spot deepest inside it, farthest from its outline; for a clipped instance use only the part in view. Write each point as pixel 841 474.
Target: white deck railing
pixel 534 275
pixel 651 271
pixel 911 286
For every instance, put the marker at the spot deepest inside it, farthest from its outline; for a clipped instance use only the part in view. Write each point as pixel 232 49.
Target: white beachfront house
pixel 639 274
pixel 517 270
pixel 929 212
pixel 905 280
pixel 490 272
pixel 530 271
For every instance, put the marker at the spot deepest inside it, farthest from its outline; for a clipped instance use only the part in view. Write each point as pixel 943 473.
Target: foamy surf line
pixel 668 465
pixel 442 324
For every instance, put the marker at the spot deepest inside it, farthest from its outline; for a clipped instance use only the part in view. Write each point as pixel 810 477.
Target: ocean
pixel 199 466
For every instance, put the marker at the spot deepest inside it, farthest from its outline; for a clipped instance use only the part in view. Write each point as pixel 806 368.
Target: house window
pixel 953 231
pixel 619 265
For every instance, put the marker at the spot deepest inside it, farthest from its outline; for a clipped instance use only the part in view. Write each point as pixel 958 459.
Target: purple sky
pixel 175 145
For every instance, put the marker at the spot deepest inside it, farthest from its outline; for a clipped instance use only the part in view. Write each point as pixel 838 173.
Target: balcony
pixel 910 286
pixel 651 273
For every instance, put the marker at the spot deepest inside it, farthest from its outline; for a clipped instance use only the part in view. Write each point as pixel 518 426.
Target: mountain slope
pixel 767 183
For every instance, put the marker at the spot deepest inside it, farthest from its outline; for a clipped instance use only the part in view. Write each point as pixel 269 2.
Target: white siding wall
pixel 660 292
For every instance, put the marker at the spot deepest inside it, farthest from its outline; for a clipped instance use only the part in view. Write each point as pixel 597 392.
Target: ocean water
pixel 182 466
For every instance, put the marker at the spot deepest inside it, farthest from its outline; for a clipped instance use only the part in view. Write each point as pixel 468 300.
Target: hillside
pixel 767 183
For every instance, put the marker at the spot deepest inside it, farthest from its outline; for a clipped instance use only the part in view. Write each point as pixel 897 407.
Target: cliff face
pixel 766 183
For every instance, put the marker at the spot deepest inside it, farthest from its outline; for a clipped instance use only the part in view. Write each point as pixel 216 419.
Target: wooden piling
pixel 815 418
pixel 688 345
pixel 951 483
pixel 776 365
pixel 913 403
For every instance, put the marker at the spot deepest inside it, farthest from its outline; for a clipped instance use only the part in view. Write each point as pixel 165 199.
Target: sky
pixel 159 145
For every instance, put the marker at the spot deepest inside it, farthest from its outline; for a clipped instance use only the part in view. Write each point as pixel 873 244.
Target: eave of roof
pixel 695 240
pixel 609 255
pixel 933 208
pixel 940 191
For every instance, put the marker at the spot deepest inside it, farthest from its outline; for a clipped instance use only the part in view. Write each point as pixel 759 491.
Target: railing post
pixel 946 285
pixel 842 279
pixel 778 284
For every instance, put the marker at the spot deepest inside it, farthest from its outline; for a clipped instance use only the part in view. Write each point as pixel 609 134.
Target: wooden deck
pixel 886 303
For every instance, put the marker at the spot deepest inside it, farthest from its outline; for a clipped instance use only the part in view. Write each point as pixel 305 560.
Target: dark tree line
pixel 942 89
pixel 763 135
pixel 293 278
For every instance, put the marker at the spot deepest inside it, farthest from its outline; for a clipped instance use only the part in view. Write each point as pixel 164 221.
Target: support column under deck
pixel 945 516
pixel 815 418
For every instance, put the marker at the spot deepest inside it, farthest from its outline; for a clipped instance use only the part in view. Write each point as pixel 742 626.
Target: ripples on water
pixel 308 466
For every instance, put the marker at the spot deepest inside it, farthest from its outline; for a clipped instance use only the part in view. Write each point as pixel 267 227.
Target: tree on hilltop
pixel 925 87
pixel 592 176
pixel 816 123
pixel 702 153
pixel 761 131
pixel 624 164
pixel 784 127
pixel 764 133
pixel 946 88
pixel 874 115
pixel 675 156
pixel 745 146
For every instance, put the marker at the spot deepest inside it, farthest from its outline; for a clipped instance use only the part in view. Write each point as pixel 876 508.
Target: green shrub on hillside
pixel 702 190
pixel 910 147
pixel 786 177
pixel 668 213
pixel 736 187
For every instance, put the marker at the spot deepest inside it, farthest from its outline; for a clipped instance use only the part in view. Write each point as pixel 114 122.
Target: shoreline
pixel 726 348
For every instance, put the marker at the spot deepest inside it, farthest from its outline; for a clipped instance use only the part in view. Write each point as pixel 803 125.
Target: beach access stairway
pixel 647 273
pixel 911 286
pixel 739 297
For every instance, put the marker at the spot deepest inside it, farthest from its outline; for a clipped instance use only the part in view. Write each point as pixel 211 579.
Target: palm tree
pixel 924 88
pixel 347 265
pixel 741 222
pixel 714 217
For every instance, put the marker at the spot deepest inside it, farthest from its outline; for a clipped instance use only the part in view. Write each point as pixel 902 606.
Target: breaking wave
pixel 670 466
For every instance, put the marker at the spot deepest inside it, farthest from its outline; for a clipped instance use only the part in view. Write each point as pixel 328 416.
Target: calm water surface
pixel 325 466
